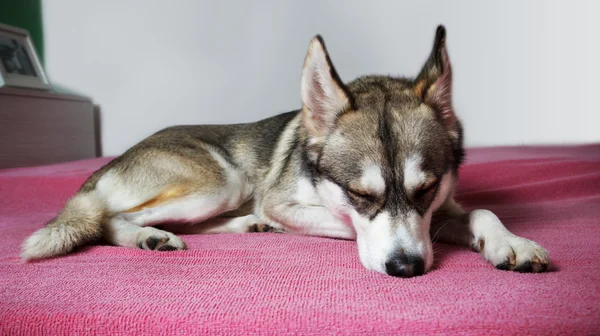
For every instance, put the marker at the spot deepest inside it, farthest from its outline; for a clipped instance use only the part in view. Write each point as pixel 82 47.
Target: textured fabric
pixel 265 283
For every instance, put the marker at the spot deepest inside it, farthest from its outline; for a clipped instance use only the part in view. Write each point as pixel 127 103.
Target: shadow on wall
pixel 98 129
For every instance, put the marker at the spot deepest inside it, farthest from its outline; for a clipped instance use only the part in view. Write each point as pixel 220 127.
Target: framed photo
pixel 19 62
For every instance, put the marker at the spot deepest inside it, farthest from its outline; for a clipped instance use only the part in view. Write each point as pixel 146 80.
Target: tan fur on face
pixel 419 88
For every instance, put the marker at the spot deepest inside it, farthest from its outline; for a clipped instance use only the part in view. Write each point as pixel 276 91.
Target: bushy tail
pixel 80 222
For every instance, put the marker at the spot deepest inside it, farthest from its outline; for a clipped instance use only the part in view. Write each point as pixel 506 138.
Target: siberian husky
pixel 375 160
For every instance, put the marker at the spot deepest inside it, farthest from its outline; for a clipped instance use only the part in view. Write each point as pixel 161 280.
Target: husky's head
pixel 384 152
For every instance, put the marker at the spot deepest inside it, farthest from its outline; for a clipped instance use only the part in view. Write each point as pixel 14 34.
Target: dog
pixel 375 160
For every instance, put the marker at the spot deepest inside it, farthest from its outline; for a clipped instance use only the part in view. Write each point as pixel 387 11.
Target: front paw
pixel 510 252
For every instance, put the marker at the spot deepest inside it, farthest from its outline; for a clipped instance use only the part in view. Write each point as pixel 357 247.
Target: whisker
pixel 436 234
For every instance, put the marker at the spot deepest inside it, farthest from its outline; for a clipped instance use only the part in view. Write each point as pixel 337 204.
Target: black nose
pixel 405 266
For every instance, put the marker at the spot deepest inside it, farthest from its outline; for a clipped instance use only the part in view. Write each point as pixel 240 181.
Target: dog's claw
pixel 512 260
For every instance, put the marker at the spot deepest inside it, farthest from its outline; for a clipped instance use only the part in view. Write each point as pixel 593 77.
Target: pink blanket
pixel 284 284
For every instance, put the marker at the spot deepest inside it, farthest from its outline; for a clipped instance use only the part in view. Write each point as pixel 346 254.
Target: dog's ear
pixel 324 96
pixel 434 83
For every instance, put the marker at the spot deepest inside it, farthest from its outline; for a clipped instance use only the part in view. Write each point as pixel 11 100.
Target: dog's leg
pixel 310 220
pixel 188 209
pixel 485 233
pixel 187 192
pixel 240 224
pixel 120 232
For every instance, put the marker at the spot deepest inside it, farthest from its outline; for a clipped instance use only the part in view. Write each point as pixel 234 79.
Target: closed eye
pixel 362 195
pixel 426 189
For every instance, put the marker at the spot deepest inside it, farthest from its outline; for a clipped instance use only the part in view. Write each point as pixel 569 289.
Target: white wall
pixel 525 72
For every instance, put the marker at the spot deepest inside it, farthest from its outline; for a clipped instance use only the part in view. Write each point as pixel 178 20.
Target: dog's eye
pixel 359 195
pixel 426 189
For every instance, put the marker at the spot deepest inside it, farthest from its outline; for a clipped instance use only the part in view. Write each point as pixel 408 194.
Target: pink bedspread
pixel 284 284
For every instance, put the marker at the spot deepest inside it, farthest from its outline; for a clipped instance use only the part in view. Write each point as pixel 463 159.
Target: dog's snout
pixel 405 266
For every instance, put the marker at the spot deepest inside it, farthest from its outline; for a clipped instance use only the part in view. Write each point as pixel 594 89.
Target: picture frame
pixel 19 62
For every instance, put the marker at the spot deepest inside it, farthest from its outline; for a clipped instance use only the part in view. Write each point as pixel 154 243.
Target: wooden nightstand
pixel 41 127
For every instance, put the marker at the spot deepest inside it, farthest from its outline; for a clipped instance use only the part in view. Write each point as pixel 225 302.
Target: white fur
pixel 48 242
pixel 186 210
pixel 499 243
pixel 334 199
pixel 118 198
pixel 313 221
pixel 411 234
pixel 306 194
pixel 375 239
pixel 380 238
pixel 60 239
pixel 218 225
pixel 372 179
pixel 413 174
pixel 120 232
pixel 230 225
pixel 421 239
pixel 239 188
pixel 119 195
pixel 313 216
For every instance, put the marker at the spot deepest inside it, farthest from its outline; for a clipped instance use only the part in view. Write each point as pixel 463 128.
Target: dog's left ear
pixel 434 83
pixel 324 96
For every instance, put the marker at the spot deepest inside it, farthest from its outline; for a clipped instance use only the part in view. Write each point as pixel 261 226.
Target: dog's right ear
pixel 324 96
pixel 434 83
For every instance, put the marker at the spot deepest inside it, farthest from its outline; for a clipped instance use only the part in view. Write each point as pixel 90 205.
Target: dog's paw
pixel 158 240
pixel 510 252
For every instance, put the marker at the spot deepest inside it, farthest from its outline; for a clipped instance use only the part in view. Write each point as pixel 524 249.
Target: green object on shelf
pixel 26 14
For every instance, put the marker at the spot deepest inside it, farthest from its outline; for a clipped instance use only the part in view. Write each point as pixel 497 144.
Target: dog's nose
pixel 405 266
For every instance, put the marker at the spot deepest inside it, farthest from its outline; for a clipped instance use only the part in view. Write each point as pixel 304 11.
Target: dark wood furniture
pixel 40 127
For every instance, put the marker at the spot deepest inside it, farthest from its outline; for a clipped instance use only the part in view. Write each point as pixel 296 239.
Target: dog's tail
pixel 80 222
